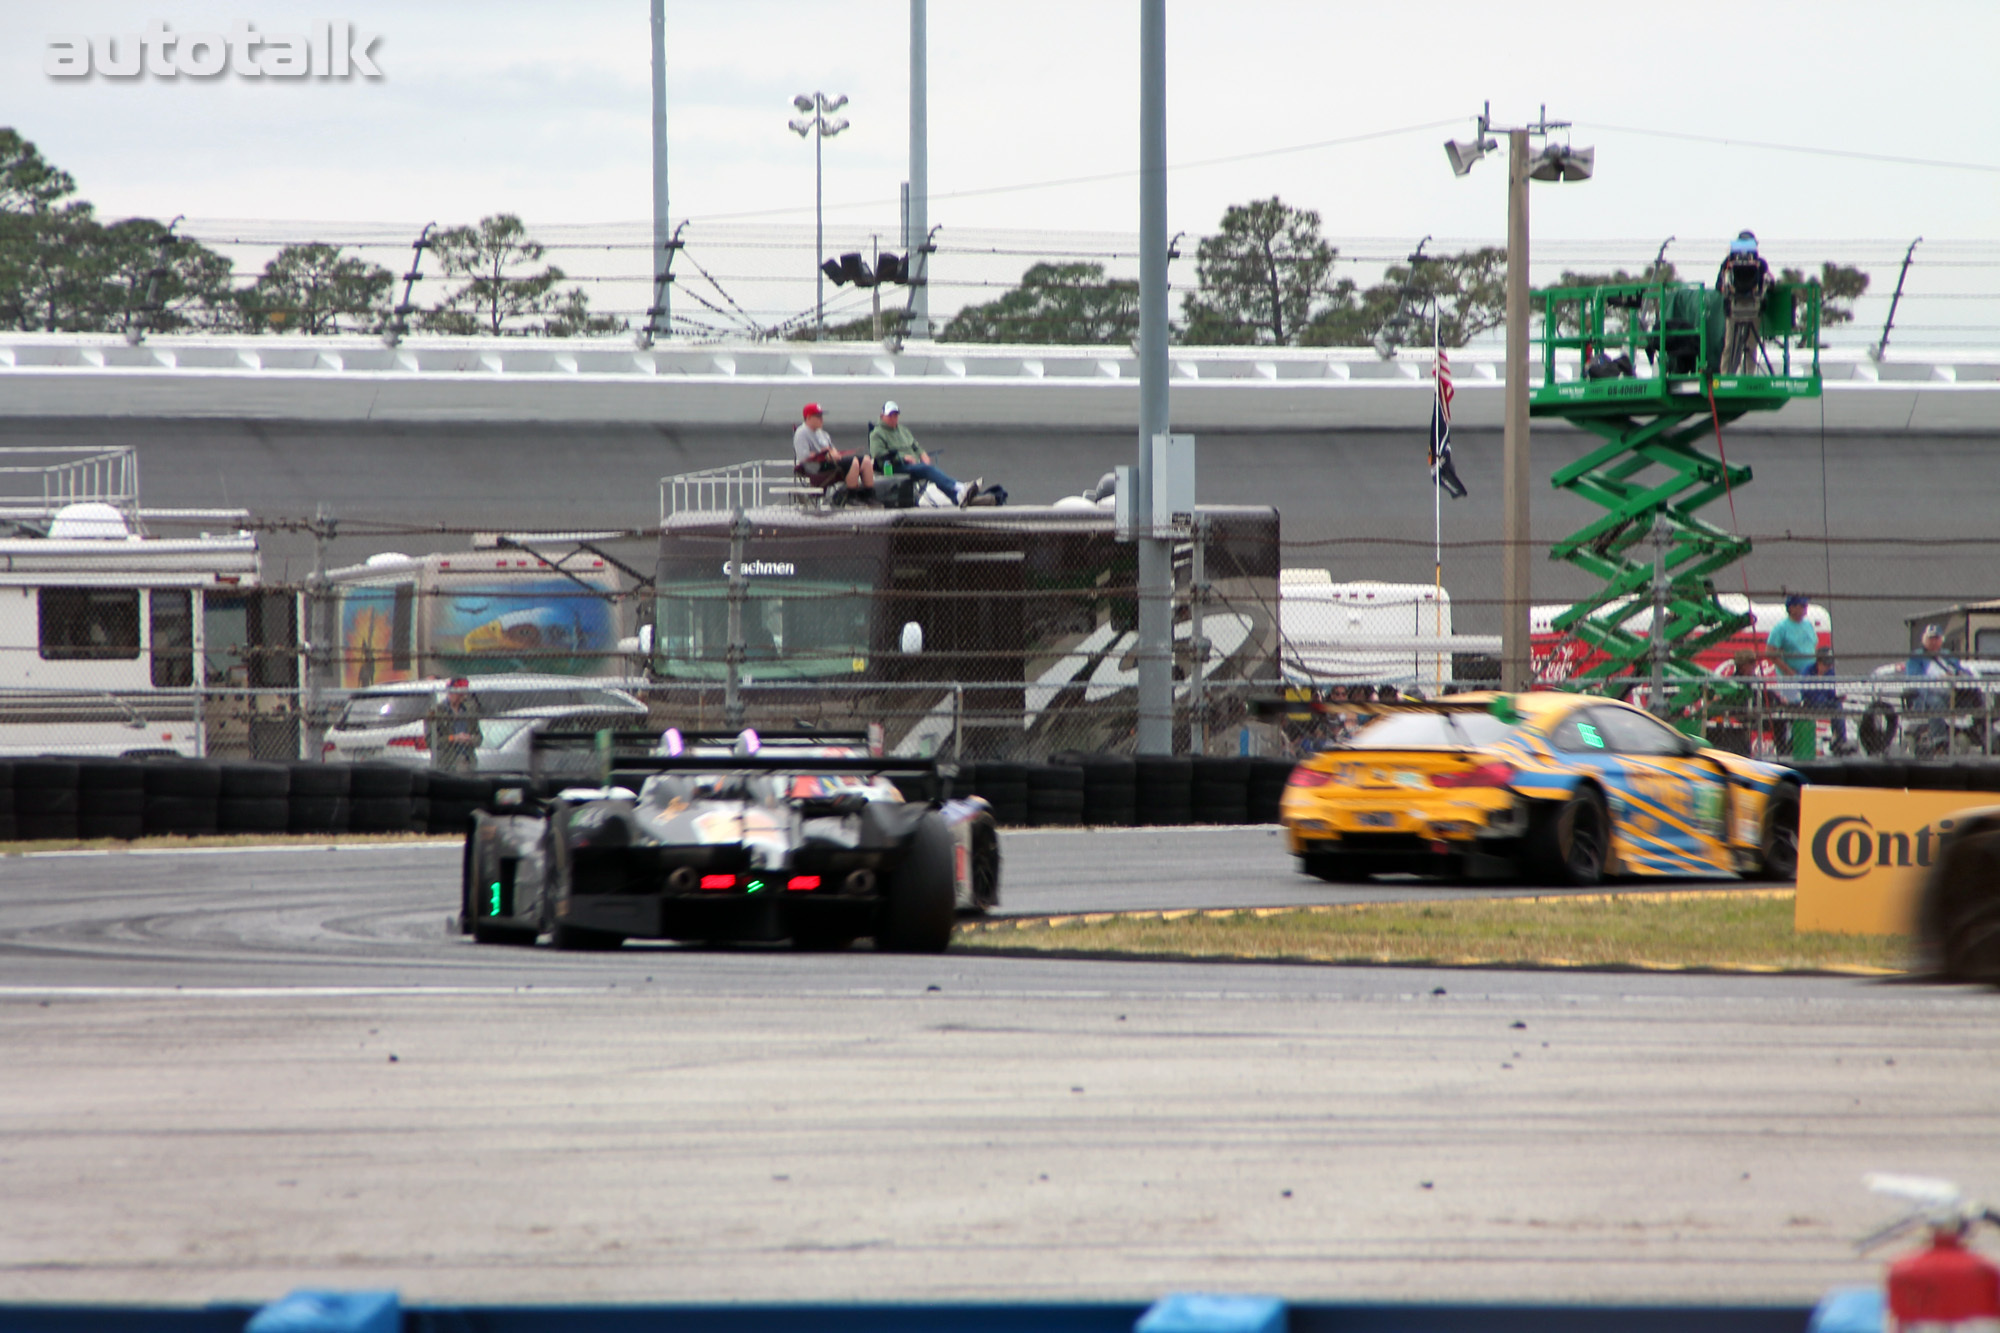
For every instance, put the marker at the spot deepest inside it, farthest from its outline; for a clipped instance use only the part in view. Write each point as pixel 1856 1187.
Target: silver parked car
pixel 390 722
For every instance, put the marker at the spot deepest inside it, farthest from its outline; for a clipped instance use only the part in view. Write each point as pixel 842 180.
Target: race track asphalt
pixel 228 1075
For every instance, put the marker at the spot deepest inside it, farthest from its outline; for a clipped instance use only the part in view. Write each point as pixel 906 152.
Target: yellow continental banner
pixel 1863 852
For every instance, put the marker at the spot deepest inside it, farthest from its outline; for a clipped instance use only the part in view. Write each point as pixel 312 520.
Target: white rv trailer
pixel 113 642
pixel 1369 633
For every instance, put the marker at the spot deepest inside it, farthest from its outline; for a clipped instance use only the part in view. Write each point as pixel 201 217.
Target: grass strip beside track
pixel 1746 930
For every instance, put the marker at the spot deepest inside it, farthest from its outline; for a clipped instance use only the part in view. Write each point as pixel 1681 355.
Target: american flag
pixel 1442 472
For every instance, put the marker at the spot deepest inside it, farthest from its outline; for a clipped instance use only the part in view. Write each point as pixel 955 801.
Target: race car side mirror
pixel 913 637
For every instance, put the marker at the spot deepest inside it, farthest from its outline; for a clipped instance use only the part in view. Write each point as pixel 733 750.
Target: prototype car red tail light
pixel 718 881
pixel 802 883
pixel 1498 773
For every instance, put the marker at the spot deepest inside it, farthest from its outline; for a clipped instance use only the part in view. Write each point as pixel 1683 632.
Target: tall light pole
pixel 1554 162
pixel 815 123
pixel 1156 552
pixel 916 221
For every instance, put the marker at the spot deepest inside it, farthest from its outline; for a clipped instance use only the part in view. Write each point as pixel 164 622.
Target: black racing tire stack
pixel 319 801
pixel 420 801
pixel 1220 793
pixel 1005 787
pixel 1163 789
pixel 452 799
pixel 110 799
pixel 255 798
pixel 1110 787
pixel 183 797
pixel 1267 788
pixel 45 799
pixel 380 799
pixel 7 826
pixel 1055 795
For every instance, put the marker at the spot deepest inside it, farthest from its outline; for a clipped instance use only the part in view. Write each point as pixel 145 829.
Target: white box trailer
pixel 113 642
pixel 1369 633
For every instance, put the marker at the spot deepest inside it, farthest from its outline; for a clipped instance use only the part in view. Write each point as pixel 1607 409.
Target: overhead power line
pixel 1855 154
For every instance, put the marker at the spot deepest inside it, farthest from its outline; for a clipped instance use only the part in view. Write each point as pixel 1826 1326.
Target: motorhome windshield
pixel 791 629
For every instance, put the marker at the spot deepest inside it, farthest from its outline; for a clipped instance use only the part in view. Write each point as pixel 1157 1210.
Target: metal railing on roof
pixel 758 484
pixel 36 481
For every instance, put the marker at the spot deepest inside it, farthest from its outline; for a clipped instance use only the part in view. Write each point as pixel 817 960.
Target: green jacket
pixel 898 445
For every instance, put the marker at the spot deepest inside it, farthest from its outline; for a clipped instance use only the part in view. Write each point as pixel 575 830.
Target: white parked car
pixel 389 722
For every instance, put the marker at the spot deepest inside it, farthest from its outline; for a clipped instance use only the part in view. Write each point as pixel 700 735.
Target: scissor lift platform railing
pixel 1638 364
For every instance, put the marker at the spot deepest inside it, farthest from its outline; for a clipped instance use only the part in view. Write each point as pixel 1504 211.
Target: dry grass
pixel 1749 931
pixel 220 840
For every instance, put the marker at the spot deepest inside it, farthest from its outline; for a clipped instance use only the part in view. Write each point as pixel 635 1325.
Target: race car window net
pixel 1425 731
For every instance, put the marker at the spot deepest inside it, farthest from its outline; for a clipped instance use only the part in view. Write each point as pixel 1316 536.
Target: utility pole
pixel 1156 568
pixel 1554 162
pixel 1516 664
pixel 917 215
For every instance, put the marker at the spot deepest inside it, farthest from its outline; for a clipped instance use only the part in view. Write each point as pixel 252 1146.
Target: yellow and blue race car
pixel 1563 788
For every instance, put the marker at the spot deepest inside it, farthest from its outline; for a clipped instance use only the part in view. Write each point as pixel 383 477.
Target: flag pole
pixel 1437 484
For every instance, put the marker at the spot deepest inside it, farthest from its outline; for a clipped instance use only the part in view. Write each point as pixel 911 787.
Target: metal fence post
pixel 1197 641
pixel 958 722
pixel 732 693
pixel 1659 630
pixel 320 635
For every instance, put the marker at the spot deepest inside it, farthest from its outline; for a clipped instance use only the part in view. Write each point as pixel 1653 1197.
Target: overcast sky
pixel 543 110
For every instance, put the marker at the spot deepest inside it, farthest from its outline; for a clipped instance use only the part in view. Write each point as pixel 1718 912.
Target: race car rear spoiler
pixel 601 756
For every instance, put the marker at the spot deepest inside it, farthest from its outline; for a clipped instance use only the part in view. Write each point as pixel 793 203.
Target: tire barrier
pixel 45 798
pixel 1220 790
pixel 318 798
pixel 1110 787
pixel 1164 789
pixel 7 800
pixel 110 799
pixel 1055 795
pixel 1964 773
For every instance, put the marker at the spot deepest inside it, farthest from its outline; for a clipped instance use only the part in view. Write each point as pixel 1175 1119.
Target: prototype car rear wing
pixel 621 757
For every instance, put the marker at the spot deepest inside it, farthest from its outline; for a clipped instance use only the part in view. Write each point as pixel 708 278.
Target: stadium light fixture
pixel 816 124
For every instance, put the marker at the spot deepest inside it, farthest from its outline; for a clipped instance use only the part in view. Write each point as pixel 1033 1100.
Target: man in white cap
pixel 1930 661
pixel 894 448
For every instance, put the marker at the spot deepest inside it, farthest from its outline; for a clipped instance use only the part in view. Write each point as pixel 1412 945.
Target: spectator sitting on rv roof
pixel 895 449
pixel 820 463
pixel 454 732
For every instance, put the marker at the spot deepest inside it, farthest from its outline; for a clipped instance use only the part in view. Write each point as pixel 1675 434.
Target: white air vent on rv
pixel 88 520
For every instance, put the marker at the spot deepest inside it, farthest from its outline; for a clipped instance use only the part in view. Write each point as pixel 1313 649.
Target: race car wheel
pixel 1877 728
pixel 1569 842
pixel 1329 866
pixel 1958 918
pixel 465 887
pixel 985 868
pixel 918 907
pixel 1778 847
pixel 484 933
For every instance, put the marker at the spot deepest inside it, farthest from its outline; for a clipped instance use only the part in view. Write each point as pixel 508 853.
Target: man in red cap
pixel 820 463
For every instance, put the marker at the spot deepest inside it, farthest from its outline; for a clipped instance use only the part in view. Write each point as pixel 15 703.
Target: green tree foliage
pixel 61 270
pixel 316 289
pixel 572 317
pixel 1265 277
pixel 497 297
pixel 1054 303
pixel 1840 285
pixel 28 183
pixel 1468 290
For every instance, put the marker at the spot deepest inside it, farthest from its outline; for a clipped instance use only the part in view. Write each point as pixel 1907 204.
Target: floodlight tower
pixel 1555 162
pixel 814 109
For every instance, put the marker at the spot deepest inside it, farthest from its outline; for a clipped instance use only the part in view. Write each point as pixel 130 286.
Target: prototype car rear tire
pixel 918 907
pixel 1570 842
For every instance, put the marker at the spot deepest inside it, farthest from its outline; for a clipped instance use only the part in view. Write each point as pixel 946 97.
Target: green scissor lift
pixel 1649 467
